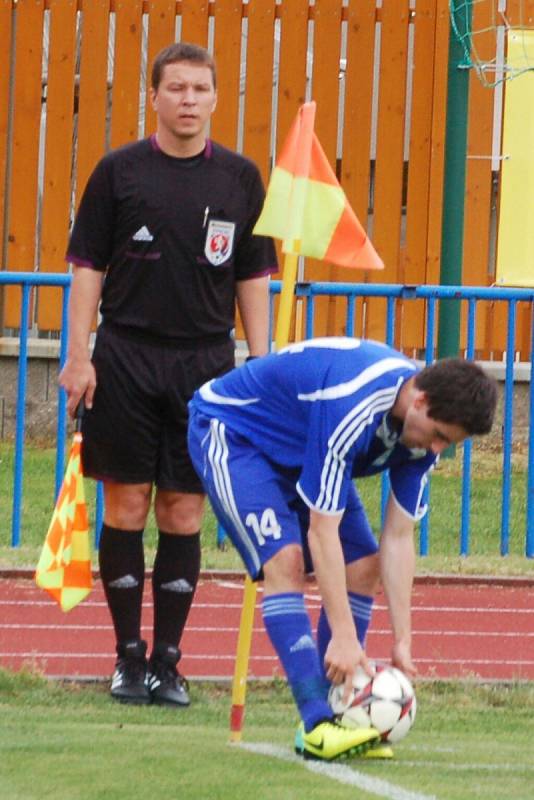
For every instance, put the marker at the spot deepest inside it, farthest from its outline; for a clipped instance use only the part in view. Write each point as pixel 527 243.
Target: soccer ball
pixel 385 702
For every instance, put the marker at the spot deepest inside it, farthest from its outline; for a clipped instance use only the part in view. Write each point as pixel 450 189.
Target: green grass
pixel 71 742
pixel 445 506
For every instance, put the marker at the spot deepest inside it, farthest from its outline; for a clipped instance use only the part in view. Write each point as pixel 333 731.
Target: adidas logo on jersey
pixel 143 235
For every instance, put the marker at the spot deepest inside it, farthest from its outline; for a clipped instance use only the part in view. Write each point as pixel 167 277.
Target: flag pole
pixel 239 685
pixel 286 300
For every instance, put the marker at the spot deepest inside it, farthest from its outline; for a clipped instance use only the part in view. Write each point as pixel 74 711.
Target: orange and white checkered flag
pixel 64 568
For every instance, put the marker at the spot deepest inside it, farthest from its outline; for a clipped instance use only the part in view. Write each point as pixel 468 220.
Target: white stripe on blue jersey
pixel 328 342
pixel 218 459
pixel 210 396
pixel 367 376
pixel 343 438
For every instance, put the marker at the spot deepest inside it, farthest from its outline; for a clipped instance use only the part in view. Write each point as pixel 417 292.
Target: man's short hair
pixel 178 52
pixel 459 392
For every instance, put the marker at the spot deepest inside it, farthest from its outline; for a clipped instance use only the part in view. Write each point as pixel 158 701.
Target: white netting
pixel 497 37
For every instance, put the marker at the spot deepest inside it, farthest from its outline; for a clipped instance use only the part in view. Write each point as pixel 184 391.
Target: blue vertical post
pixel 99 512
pixel 310 316
pixel 62 397
pixel 529 542
pixel 21 417
pixel 466 473
pixel 350 324
pixel 390 336
pixel 507 430
pixel 390 320
pixel 429 356
pixel 271 317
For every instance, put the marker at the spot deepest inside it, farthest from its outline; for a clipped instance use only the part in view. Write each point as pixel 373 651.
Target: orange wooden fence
pixel 74 83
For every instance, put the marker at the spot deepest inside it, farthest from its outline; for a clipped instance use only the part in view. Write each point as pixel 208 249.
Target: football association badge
pixel 219 241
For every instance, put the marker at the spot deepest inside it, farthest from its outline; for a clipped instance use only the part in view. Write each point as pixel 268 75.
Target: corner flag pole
pixel 305 122
pixel 239 685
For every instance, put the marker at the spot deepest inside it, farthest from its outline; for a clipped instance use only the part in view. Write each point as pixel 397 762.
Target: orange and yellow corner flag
pixel 64 568
pixel 306 207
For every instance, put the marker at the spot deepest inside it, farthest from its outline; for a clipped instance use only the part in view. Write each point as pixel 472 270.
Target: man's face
pixel 185 99
pixel 421 431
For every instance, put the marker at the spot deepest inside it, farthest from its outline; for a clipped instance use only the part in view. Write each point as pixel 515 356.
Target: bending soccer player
pixel 277 444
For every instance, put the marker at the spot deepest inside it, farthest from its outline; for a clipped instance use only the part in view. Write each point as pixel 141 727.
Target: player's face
pixel 184 101
pixel 421 431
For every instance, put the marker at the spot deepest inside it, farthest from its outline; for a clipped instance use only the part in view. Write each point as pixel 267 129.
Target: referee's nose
pixel 189 95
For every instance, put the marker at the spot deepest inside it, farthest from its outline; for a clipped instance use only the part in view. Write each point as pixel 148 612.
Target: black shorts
pixel 136 431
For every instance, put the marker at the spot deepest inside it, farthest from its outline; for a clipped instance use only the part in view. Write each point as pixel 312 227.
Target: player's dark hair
pixel 459 392
pixel 178 52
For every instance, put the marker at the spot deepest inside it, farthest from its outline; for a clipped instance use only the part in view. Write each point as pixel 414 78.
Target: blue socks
pixel 361 606
pixel 288 626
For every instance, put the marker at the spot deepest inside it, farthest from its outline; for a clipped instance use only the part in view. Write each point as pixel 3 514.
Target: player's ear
pixel 152 94
pixel 214 104
pixel 420 400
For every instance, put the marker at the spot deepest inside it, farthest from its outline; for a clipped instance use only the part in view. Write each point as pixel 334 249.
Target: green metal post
pixel 452 231
pixel 452 226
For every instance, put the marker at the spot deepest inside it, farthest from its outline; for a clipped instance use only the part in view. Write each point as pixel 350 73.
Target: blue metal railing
pixel 431 295
pixel 309 292
pixel 26 281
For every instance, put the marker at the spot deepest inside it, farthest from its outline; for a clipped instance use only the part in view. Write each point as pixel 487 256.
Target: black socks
pixel 174 580
pixel 122 570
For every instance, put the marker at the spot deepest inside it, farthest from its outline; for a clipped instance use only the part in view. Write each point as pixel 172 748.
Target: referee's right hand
pixel 78 378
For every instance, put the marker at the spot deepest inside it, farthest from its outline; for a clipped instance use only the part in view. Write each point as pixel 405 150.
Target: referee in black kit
pixel 163 242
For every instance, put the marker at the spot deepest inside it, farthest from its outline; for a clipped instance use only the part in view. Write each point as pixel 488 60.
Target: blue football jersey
pixel 322 409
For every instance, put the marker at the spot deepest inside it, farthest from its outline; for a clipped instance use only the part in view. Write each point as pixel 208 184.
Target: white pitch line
pixel 340 773
pixel 466 767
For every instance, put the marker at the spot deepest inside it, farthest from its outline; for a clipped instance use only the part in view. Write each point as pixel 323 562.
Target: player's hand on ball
pixel 342 659
pixel 401 657
pixel 386 702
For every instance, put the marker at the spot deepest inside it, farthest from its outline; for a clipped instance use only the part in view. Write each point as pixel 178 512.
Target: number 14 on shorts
pixel 264 526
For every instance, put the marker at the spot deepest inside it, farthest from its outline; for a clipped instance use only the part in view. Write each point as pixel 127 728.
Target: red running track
pixel 462 628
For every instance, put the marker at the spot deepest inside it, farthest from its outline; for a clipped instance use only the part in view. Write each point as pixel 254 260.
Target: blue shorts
pixel 257 502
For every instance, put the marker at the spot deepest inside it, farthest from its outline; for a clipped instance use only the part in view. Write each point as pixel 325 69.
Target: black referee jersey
pixel 174 235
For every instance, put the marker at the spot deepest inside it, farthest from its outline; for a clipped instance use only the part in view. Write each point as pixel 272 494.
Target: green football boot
pixel 329 740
